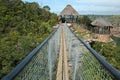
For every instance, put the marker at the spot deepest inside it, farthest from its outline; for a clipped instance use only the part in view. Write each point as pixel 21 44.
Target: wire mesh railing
pixel 85 63
pixel 41 63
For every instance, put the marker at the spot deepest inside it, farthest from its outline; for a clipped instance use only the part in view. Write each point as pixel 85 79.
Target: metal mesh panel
pixel 82 63
pixel 43 65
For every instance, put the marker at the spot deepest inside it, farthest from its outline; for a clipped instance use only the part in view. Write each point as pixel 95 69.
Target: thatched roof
pixel 69 10
pixel 100 22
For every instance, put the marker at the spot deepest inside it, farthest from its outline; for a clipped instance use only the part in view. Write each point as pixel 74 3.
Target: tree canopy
pixel 84 20
pixel 23 26
pixel 46 7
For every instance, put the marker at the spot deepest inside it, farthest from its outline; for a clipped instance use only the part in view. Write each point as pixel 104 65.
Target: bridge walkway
pixel 63 56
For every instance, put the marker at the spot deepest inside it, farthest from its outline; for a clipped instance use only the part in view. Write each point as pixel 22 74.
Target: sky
pixel 93 7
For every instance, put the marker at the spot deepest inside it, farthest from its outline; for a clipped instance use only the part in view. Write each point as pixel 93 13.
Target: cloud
pixel 84 6
pixel 99 1
pixel 93 9
pixel 98 6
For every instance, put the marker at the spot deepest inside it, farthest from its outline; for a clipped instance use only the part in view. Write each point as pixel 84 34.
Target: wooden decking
pixel 62 69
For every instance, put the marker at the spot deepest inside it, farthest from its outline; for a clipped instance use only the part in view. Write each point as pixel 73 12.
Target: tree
pixel 47 8
pixel 22 27
pixel 85 20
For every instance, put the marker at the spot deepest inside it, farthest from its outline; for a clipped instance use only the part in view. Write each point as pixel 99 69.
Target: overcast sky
pixel 106 7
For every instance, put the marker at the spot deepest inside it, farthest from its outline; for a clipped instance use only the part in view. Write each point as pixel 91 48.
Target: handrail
pixel 108 66
pixel 114 72
pixel 26 60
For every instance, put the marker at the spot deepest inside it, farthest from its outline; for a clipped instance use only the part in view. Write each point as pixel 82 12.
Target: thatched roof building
pixel 101 26
pixel 69 13
pixel 69 10
pixel 100 22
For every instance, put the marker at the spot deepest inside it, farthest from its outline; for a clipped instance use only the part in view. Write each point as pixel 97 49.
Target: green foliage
pixel 110 52
pixel 45 28
pixel 46 7
pixel 85 20
pixel 117 40
pixel 23 26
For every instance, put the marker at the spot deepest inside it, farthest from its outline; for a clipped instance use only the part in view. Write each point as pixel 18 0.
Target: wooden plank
pixel 62 68
pixel 60 64
pixel 65 59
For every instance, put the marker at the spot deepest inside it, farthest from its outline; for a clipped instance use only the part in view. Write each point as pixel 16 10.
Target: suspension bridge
pixel 63 56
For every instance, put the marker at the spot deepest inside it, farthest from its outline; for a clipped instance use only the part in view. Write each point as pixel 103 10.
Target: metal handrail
pixel 108 66
pixel 13 74
pixel 26 60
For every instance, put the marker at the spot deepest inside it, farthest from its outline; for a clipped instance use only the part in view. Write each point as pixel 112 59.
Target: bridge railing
pixel 41 63
pixel 85 63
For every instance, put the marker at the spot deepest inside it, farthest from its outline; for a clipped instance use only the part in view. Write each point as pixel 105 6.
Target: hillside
pixel 110 51
pixel 23 26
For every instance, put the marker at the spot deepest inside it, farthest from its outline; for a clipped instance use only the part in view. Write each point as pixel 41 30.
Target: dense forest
pixel 23 26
